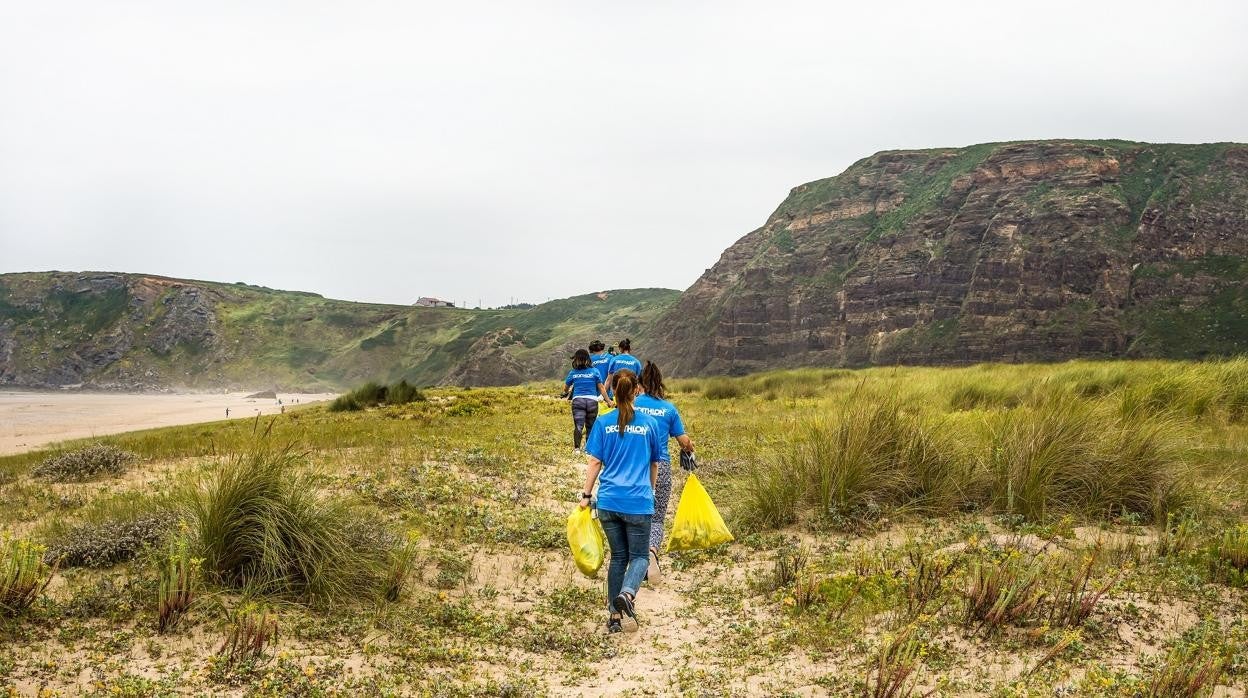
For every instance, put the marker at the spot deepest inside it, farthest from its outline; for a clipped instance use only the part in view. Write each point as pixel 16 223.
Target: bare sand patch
pixel 31 420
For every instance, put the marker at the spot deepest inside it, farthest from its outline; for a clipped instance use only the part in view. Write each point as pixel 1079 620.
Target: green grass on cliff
pixel 293 339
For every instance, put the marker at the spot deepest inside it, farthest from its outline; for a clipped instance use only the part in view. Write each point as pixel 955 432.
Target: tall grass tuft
pixel 1075 599
pixel 1067 455
pixel 722 389
pixel 260 523
pixel 1008 592
pixel 23 575
pixel 178 583
pixel 253 630
pixel 868 454
pixel 372 394
pixel 892 672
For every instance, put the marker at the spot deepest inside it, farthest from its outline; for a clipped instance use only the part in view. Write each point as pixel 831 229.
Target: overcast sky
pixel 485 151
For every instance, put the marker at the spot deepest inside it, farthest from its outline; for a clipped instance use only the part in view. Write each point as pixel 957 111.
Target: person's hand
pixel 585 500
pixel 688 462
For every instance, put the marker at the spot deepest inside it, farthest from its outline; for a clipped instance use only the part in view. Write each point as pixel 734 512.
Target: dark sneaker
pixel 614 626
pixel 624 605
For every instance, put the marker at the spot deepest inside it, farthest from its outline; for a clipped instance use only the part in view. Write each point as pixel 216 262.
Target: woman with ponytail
pixel 652 402
pixel 624 455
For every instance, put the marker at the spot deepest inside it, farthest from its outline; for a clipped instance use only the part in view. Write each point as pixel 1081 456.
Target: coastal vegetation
pixel 992 530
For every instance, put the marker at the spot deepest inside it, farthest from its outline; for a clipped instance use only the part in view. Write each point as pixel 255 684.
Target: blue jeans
pixel 629 538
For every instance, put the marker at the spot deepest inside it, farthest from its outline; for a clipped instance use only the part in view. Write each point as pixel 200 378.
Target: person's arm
pixel 686 443
pixel 602 390
pixel 654 475
pixel 591 476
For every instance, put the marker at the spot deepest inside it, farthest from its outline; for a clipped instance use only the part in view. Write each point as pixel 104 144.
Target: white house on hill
pixel 428 302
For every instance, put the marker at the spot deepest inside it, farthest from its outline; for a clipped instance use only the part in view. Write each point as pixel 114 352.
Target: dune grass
pixel 956 509
pixel 261 524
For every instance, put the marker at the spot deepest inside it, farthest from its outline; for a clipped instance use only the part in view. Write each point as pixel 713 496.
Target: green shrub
pixel 1007 592
pixel 108 542
pixel 23 575
pixel 867 454
pixel 85 464
pixel 260 523
pixel 1067 455
pixel 373 394
pixel 722 389
pixel 178 583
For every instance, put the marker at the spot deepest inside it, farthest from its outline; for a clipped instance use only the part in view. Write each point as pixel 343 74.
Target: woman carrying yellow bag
pixel 654 402
pixel 624 458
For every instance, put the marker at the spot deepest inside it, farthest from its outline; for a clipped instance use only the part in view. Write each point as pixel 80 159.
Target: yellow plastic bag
pixel 587 541
pixel 697 523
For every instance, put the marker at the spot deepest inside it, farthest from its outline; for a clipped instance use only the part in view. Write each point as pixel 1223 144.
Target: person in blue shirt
pixel 584 386
pixel 653 402
pixel 599 357
pixel 623 360
pixel 624 460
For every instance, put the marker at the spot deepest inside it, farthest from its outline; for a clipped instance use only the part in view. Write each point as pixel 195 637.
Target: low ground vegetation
pixel 96 460
pixel 997 531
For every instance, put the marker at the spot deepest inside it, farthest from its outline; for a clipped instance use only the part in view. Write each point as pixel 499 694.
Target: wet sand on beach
pixel 30 420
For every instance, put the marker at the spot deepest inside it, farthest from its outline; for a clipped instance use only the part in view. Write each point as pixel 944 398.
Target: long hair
pixel 652 381
pixel 626 345
pixel 581 359
pixel 625 386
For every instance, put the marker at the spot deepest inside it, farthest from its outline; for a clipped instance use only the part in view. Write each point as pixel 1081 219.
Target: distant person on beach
pixel 624 455
pixel 227 413
pixel 653 402
pixel 584 386
pixel 599 357
pixel 622 361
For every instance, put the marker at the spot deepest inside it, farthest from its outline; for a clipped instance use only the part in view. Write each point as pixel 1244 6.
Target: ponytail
pixel 652 381
pixel 625 386
pixel 625 345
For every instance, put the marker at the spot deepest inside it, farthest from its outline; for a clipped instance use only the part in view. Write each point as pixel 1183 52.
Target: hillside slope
pixel 1003 251
pixel 130 331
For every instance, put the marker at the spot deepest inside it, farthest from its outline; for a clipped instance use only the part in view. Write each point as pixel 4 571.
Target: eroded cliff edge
pixel 998 252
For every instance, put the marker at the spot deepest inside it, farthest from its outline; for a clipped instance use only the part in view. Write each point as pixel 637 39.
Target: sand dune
pixel 31 420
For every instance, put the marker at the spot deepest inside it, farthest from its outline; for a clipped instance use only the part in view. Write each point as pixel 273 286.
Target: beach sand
pixel 31 420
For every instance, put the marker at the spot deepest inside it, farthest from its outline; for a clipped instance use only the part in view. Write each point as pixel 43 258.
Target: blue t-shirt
pixel 667 417
pixel 584 382
pixel 624 483
pixel 628 361
pixel 600 362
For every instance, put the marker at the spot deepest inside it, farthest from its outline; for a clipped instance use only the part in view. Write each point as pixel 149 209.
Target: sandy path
pixel 31 420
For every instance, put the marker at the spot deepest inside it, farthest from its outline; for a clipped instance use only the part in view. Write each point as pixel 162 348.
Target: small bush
pixel 867 455
pixel 178 583
pixel 722 389
pixel 1004 593
pixel 106 543
pixel 1186 673
pixel 259 523
pixel 373 394
pixel 925 579
pixel 892 672
pixel 1067 455
pixel 23 575
pixel 1074 599
pixel 1229 556
pixel 402 561
pixel 253 630
pixel 87 463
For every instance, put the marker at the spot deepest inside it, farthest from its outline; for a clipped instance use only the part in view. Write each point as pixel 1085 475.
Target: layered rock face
pixel 1029 251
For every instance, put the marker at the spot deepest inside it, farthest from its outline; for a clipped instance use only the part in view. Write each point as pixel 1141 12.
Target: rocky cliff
pixel 137 332
pixel 1029 251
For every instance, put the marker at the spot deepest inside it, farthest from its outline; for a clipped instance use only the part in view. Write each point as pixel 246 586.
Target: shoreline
pixel 32 419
